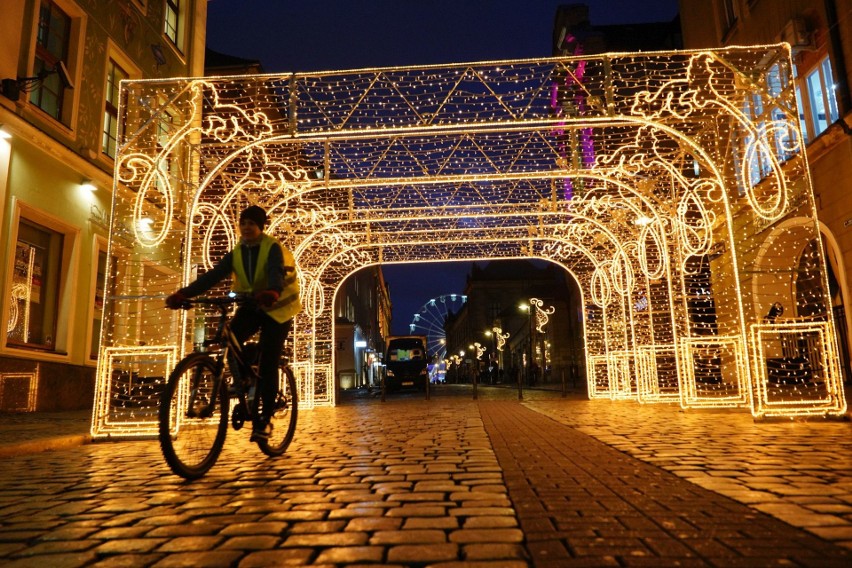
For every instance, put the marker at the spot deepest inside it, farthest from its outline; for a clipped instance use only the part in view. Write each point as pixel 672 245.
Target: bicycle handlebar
pixel 220 302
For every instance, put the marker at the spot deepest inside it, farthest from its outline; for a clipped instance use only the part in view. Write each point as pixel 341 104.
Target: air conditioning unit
pixel 796 33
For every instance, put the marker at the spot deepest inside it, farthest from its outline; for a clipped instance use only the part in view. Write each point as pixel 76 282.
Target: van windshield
pixel 406 350
pixel 405 354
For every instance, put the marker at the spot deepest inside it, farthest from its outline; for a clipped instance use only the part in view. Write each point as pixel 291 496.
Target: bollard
pixel 383 387
pixel 563 383
pixel 520 388
pixel 428 386
pixel 475 396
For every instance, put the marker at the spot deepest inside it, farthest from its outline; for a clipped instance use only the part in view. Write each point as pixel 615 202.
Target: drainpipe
pixel 839 60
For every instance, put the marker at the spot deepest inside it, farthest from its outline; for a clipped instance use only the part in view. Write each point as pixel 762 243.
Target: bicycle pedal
pixel 261 434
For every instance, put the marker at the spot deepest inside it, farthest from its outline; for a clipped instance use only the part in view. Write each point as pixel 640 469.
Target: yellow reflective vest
pixel 288 304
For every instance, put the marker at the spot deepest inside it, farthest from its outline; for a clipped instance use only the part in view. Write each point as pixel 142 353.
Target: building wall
pixel 362 312
pixel 42 167
pixel 814 30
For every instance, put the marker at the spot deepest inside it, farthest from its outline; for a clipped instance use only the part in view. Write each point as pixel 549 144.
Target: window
pixel 115 74
pixel 729 12
pixel 774 135
pixel 52 44
pixel 34 308
pixel 173 26
pixel 817 99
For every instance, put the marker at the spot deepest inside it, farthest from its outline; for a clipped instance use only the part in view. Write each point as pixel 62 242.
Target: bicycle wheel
pixel 284 418
pixel 193 418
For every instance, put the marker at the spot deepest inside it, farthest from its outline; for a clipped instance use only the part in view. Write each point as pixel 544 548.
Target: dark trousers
pixel 245 323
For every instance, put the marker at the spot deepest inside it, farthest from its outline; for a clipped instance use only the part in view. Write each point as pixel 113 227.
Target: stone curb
pixel 44 445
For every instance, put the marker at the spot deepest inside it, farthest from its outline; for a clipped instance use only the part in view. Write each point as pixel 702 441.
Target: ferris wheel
pixel 429 321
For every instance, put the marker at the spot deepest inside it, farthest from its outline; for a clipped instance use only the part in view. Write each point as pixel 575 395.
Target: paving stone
pixel 486 535
pixel 130 545
pixel 326 539
pixel 504 521
pixel 431 523
pixel 490 551
pixel 351 555
pixel 209 559
pixel 194 529
pixel 367 524
pixel 189 543
pixel 56 547
pixel 257 542
pixel 127 561
pixel 355 512
pixel 422 553
pixel 408 536
pixel 417 511
pixel 62 560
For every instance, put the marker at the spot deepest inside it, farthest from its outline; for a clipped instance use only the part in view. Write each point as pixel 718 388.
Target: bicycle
pixel 195 404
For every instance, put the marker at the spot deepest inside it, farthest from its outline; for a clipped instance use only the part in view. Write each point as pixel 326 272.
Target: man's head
pixel 254 213
pixel 252 220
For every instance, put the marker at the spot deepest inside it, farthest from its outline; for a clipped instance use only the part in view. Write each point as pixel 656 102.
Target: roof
pixel 224 64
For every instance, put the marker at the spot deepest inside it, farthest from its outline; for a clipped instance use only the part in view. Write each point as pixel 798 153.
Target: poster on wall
pixel 29 267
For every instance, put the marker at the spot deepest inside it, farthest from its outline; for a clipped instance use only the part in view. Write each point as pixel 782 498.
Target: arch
pixel 664 167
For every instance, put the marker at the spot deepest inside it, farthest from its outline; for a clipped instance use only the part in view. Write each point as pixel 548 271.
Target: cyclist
pixel 260 265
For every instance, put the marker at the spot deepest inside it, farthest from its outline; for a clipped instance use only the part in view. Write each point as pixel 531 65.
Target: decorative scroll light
pixel 500 337
pixel 672 186
pixel 542 316
pixel 480 350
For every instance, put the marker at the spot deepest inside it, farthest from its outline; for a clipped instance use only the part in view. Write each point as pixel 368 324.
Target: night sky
pixel 317 35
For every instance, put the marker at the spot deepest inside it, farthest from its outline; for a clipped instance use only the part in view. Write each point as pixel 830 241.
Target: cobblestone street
pixel 449 482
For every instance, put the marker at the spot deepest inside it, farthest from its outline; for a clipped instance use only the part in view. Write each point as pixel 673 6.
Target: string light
pixel 682 207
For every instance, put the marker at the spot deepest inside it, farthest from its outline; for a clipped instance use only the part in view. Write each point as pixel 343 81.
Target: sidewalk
pixel 32 432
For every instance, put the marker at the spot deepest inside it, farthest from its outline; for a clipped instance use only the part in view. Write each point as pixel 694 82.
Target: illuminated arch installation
pixel 673 186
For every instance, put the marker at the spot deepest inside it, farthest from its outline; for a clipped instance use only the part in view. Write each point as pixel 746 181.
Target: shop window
pixel 36 278
pixel 115 74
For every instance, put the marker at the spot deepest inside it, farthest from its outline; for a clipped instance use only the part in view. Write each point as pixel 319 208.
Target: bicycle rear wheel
pixel 284 418
pixel 193 416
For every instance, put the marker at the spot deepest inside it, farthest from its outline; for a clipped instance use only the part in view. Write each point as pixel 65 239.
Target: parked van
pixel 406 362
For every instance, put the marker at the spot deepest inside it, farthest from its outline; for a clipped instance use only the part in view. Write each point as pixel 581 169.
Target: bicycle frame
pixel 225 339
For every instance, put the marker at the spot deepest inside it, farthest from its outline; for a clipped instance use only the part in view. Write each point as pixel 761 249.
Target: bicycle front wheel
pixel 193 416
pixel 284 418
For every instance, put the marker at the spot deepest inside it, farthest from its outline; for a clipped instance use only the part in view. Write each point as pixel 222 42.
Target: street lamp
pixel 526 307
pixel 500 340
pixel 542 316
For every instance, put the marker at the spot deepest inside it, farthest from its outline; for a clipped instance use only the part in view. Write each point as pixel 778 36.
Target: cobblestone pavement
pixel 798 471
pixel 447 482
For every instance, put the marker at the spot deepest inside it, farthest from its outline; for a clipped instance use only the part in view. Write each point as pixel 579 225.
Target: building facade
pixel 495 335
pixel 820 35
pixel 362 310
pixel 61 62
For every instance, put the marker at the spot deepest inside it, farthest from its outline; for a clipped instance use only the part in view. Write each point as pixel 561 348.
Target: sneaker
pixel 261 431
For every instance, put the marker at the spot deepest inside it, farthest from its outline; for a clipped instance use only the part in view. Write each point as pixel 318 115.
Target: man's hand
pixel 266 298
pixel 175 301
